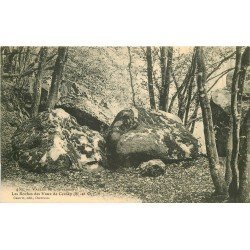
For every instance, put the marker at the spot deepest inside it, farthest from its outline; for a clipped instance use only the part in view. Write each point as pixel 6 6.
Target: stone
pixel 86 112
pixel 137 135
pixel 152 168
pixel 54 141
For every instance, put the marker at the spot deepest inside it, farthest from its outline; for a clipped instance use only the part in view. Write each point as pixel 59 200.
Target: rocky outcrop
pixel 221 112
pixel 137 135
pixel 53 141
pixel 152 168
pixel 86 112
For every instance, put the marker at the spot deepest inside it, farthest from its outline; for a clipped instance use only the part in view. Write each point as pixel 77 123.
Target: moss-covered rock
pixel 53 141
pixel 137 135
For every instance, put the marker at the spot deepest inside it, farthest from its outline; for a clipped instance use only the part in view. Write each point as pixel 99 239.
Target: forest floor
pixel 190 183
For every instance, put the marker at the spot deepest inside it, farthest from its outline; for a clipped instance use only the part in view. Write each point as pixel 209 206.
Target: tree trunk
pixel 189 97
pixel 38 82
pixel 228 171
pixel 150 78
pixel 193 117
pixel 130 75
pixel 57 77
pixel 26 58
pixel 1 62
pixel 234 185
pixel 20 57
pixel 244 164
pixel 163 60
pixel 165 75
pixel 214 165
pixel 182 96
pixel 8 65
pixel 178 90
pixel 238 188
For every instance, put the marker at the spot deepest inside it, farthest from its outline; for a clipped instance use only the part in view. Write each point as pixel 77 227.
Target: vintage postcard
pixel 155 124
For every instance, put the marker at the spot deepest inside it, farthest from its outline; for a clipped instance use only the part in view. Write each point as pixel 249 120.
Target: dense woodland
pixel 177 80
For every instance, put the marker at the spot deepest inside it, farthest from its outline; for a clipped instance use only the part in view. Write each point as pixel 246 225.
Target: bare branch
pixel 224 73
pixel 220 63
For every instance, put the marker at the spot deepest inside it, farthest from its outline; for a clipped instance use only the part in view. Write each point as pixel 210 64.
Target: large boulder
pixel 86 111
pixel 53 141
pixel 137 135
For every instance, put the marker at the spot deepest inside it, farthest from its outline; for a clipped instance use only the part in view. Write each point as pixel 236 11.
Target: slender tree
pixel 130 75
pixel 57 77
pixel 26 58
pixel 194 118
pixel 150 77
pixel 182 94
pixel 1 62
pixel 166 68
pixel 244 166
pixel 239 179
pixel 228 170
pixel 188 102
pixel 214 165
pixel 187 92
pixel 38 82
pixel 8 66
pixel 234 185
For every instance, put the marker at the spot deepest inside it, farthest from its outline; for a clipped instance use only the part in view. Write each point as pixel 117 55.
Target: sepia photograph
pixel 124 124
pixel 154 124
